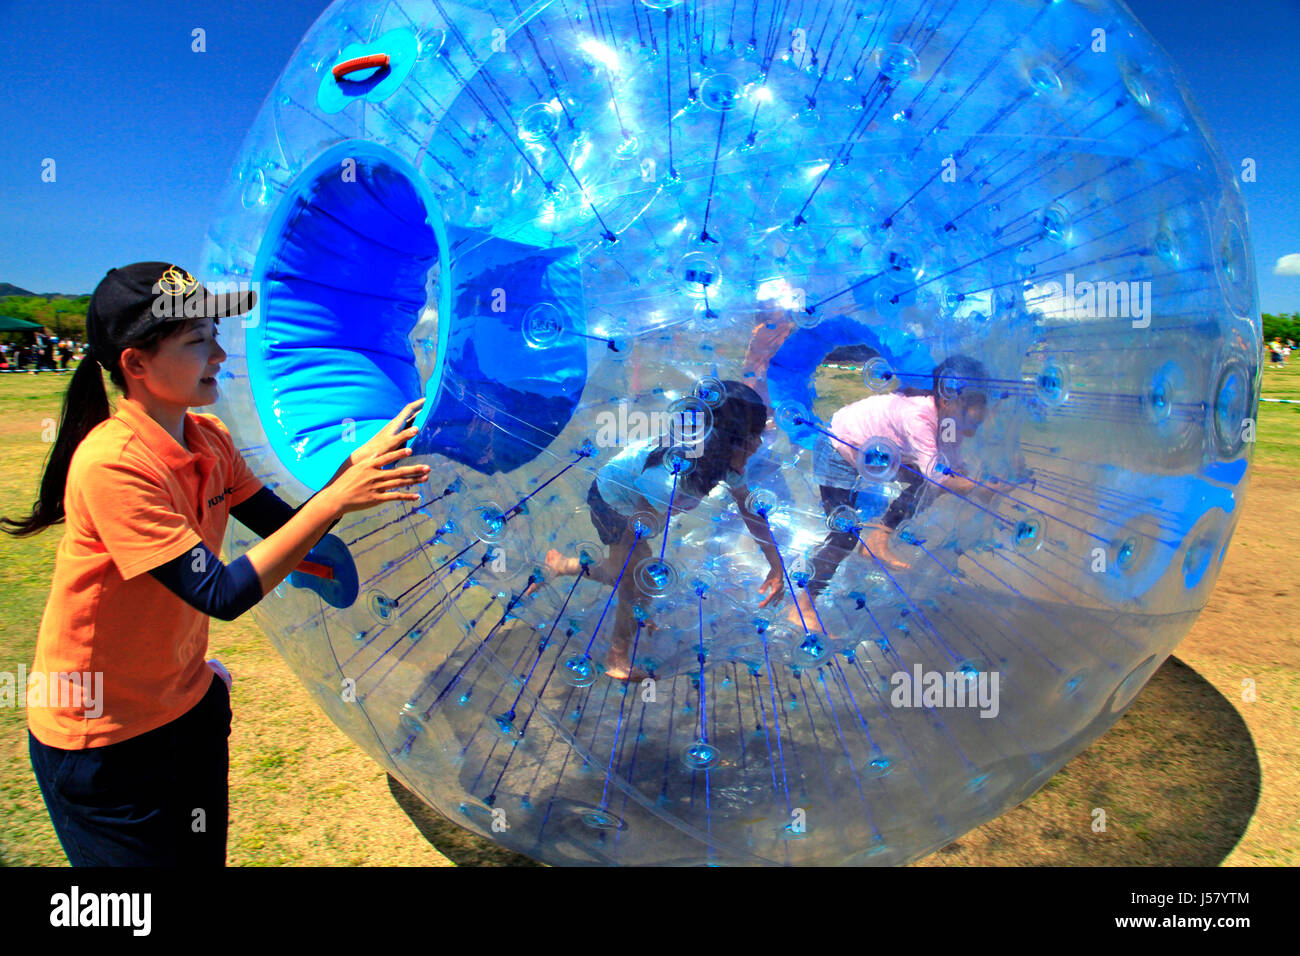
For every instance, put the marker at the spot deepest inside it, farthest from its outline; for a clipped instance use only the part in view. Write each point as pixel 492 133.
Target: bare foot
pixel 618 667
pixel 877 544
pixel 803 604
pixel 636 676
pixel 558 564
pixel 810 623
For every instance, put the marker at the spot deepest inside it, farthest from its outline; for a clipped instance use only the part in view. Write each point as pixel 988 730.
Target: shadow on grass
pixel 458 845
pixel 1177 777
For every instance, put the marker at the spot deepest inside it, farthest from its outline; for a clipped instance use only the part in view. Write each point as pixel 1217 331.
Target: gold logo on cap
pixel 177 282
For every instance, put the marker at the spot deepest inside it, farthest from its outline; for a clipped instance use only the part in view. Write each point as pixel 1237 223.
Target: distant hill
pixel 63 314
pixel 851 353
pixel 8 288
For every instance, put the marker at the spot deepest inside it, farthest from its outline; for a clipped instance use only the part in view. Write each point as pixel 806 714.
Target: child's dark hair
pixel 740 416
pixel 85 405
pixel 960 378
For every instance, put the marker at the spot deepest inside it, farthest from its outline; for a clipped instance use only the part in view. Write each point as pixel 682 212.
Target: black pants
pixel 159 799
pixel 838 545
pixel 609 524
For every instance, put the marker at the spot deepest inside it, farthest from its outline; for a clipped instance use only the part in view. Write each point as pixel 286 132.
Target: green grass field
pixel 1174 772
pixel 1278 441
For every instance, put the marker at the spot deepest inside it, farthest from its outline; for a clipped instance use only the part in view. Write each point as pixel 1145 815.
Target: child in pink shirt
pixel 913 421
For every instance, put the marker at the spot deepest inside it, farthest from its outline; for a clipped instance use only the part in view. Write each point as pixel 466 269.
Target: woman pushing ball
pixel 129 743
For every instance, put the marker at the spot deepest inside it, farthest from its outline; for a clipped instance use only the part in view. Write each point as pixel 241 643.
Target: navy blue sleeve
pixel 223 591
pixel 265 513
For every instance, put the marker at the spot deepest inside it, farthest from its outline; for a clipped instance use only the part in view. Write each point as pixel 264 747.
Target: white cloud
pixel 1288 265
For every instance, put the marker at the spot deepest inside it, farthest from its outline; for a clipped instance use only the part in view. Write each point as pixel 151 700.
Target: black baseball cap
pixel 131 300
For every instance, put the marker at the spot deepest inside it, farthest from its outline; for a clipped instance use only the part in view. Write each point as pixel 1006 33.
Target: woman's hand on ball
pixel 391 436
pixel 371 482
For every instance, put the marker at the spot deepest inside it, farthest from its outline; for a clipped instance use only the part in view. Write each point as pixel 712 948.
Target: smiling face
pixel 182 371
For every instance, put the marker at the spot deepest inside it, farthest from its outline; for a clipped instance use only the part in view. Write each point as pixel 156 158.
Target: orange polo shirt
pixel 135 500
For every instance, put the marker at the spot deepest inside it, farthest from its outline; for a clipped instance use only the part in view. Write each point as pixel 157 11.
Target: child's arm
pixel 761 532
pixel 985 490
pixel 356 485
pixel 758 528
pixel 197 577
pixel 273 558
pixel 924 441
pixel 226 591
pixel 958 485
pixel 265 512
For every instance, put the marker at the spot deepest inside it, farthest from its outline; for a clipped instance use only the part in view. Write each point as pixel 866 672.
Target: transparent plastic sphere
pixel 962 354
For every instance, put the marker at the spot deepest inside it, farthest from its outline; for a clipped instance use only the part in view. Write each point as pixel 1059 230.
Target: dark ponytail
pixel 85 405
pixel 742 415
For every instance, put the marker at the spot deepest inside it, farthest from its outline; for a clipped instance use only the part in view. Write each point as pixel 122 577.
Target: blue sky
pixel 145 133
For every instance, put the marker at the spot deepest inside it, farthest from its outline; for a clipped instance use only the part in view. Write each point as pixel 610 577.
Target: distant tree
pixel 1281 327
pixel 69 312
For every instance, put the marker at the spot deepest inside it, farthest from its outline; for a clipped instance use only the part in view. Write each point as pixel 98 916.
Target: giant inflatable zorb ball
pixel 570 227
